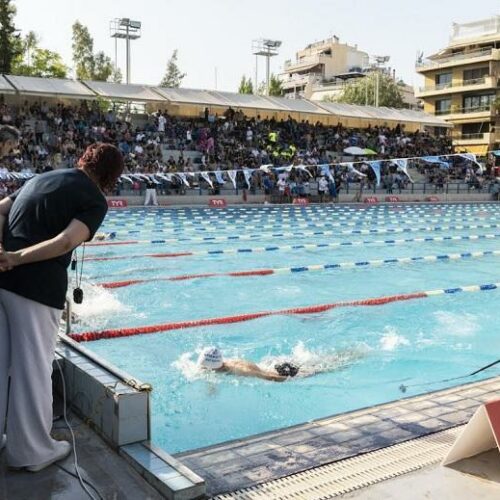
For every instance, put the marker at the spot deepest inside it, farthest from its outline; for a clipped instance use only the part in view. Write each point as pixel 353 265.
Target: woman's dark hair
pixel 9 133
pixel 104 163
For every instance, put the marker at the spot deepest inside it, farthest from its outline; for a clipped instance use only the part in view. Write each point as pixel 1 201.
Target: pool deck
pixel 109 472
pixel 476 478
pixel 243 463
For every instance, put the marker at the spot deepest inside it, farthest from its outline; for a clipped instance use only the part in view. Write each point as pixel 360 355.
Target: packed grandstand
pixel 171 150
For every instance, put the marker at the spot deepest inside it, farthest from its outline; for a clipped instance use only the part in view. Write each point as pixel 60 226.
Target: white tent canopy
pixel 5 86
pixel 31 85
pixel 382 113
pixel 143 93
pixel 130 92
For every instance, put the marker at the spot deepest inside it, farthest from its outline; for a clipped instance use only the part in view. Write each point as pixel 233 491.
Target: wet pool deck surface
pixel 238 464
pixel 242 463
pixel 112 476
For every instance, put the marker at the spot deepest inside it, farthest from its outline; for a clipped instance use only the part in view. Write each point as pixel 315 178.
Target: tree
pixel 48 64
pixel 117 76
pixel 90 66
pixel 83 51
pixel 362 91
pixel 246 86
pixel 173 76
pixel 275 88
pixel 102 67
pixel 30 43
pixel 35 61
pixel 10 45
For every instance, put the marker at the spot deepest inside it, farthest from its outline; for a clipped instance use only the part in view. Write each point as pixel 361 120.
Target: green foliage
pixel 90 66
pixel 35 61
pixel 102 67
pixel 117 76
pixel 275 88
pixel 83 51
pixel 246 86
pixel 173 76
pixel 362 91
pixel 10 44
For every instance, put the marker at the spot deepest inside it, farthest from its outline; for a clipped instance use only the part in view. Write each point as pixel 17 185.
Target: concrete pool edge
pixel 273 455
pixel 117 407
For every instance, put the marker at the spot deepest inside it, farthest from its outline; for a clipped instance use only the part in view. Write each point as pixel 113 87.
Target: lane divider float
pixel 209 239
pixel 305 246
pixel 312 309
pixel 309 268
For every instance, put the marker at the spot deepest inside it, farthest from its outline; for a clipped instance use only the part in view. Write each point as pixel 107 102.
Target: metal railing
pixel 456 57
pixel 465 110
pixel 451 85
pixel 477 135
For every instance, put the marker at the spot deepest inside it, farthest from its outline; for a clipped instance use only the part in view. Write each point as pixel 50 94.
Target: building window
pixel 443 106
pixel 475 74
pixel 443 80
pixel 475 130
pixel 478 102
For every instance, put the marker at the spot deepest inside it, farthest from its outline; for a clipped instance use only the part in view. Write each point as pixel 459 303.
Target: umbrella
pixel 355 151
pixel 370 152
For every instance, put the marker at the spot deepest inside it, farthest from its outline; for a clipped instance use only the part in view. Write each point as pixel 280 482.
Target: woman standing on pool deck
pixel 40 225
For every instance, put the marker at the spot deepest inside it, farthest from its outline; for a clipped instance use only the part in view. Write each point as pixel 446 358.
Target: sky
pixel 214 37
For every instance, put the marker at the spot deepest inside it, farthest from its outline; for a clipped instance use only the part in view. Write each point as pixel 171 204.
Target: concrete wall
pixel 188 200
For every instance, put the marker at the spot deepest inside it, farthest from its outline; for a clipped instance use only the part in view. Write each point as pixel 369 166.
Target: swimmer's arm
pixel 5 206
pixel 274 377
pixel 67 240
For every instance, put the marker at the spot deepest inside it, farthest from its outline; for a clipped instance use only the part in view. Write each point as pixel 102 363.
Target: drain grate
pixel 354 473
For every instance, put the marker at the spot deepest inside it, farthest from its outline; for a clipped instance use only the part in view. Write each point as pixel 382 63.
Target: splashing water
pixel 390 341
pixel 98 304
pixel 457 324
pixel 317 361
pixel 310 362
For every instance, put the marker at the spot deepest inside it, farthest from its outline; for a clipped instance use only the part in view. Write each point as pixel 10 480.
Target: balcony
pixel 458 59
pixel 484 83
pixel 306 62
pixel 472 139
pixel 456 114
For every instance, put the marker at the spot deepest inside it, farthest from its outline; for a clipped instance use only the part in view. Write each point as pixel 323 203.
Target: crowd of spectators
pixel 54 136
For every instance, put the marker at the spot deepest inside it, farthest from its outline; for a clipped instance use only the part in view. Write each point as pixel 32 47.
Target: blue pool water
pixel 360 355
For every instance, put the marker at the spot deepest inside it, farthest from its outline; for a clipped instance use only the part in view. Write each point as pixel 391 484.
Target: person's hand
pixel 8 260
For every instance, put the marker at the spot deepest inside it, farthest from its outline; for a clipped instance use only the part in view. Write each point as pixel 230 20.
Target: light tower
pixel 267 48
pixel 129 30
pixel 379 60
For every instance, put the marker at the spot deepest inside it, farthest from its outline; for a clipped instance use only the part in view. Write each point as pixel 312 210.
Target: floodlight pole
pixel 129 30
pixel 127 39
pixel 268 67
pixel 268 49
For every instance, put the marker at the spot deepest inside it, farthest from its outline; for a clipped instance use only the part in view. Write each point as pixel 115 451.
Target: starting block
pixel 481 434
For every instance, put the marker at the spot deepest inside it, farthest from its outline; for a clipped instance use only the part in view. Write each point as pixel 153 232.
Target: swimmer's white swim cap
pixel 210 358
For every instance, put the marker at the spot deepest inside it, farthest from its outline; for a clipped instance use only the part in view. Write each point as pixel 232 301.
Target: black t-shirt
pixel 41 210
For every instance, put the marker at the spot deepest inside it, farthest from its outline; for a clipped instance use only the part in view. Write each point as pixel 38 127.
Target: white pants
pixel 28 332
pixel 151 198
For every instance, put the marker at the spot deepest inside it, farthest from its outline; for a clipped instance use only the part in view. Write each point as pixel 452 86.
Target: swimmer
pixel 211 359
pixel 104 236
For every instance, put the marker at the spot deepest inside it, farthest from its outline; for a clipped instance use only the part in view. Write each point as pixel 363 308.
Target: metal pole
pixel 128 54
pixel 256 74
pixel 268 64
pixel 116 53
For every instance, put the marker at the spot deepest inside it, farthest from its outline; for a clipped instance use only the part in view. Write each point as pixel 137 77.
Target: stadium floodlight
pixel 379 60
pixel 128 30
pixel 267 48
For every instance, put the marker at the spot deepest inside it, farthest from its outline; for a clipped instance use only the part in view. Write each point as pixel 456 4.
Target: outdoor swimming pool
pixel 360 355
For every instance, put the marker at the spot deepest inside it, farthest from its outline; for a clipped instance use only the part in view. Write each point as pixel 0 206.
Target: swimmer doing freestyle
pixel 211 359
